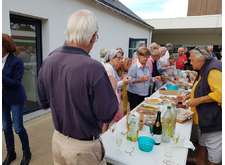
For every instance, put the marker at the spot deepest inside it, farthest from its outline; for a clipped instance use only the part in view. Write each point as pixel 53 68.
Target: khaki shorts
pixel 69 151
pixel 213 143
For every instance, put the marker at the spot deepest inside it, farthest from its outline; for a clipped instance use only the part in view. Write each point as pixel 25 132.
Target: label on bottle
pixel 157 124
pixel 157 138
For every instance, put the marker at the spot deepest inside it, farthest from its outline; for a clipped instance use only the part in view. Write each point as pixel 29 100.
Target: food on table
pixel 183 115
pixel 168 98
pixel 149 107
pixel 153 100
pixel 184 85
pixel 168 92
pixel 181 106
pixel 146 111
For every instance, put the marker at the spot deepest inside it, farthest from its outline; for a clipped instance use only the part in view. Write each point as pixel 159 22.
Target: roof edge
pixel 121 12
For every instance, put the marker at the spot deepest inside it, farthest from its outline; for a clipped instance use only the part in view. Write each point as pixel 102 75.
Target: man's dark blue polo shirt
pixel 78 91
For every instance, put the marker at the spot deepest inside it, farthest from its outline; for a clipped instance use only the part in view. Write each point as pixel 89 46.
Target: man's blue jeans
pixel 17 122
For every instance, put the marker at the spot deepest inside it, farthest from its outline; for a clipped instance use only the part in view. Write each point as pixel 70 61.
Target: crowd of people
pixel 86 96
pixel 155 65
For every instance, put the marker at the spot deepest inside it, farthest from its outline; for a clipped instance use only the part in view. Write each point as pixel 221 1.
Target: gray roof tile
pixel 118 6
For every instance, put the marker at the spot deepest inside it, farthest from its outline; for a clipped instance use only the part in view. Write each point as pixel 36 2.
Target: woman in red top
pixel 182 59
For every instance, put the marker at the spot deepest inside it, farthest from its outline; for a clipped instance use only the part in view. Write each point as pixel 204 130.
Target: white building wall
pixel 114 29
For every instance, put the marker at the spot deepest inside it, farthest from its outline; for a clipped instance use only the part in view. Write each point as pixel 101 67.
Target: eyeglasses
pixel 142 55
pixel 119 58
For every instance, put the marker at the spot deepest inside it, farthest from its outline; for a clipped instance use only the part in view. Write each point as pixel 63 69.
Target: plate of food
pixel 149 106
pixel 184 115
pixel 170 99
pixel 153 101
pixel 147 111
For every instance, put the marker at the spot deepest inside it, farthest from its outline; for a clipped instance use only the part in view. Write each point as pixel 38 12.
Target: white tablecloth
pixel 163 154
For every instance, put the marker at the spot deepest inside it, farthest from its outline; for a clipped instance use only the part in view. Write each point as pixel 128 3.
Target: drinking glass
pixel 119 140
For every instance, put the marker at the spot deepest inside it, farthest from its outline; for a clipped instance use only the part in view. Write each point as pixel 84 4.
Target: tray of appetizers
pixel 153 101
pixel 184 115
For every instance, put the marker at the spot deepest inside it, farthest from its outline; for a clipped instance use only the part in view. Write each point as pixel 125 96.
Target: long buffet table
pixel 128 152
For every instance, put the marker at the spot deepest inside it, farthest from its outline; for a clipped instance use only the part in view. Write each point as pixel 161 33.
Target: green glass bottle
pixel 157 129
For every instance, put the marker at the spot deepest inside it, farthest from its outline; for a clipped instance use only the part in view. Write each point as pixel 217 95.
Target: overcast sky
pixel 148 9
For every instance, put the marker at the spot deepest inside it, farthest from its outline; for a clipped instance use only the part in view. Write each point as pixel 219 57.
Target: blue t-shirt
pixel 135 72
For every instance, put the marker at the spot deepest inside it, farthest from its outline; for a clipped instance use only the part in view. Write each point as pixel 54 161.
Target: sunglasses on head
pixel 198 49
pixel 201 50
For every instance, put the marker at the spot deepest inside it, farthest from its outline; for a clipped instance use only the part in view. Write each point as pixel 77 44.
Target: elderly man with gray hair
pixel 71 83
pixel 205 102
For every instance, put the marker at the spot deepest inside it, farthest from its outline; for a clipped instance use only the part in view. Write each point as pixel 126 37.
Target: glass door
pixel 26 33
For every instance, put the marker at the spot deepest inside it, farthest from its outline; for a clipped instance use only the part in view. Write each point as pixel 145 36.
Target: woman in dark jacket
pixel 13 98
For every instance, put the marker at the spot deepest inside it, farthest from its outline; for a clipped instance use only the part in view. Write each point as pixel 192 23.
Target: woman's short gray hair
pixel 103 52
pixel 81 26
pixel 201 52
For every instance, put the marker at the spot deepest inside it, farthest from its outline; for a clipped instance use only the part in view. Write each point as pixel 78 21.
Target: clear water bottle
pixel 168 123
pixel 132 127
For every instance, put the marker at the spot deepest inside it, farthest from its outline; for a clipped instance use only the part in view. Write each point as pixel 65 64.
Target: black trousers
pixel 134 99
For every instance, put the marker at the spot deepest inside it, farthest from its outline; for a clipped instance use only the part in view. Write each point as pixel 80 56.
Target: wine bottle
pixel 157 129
